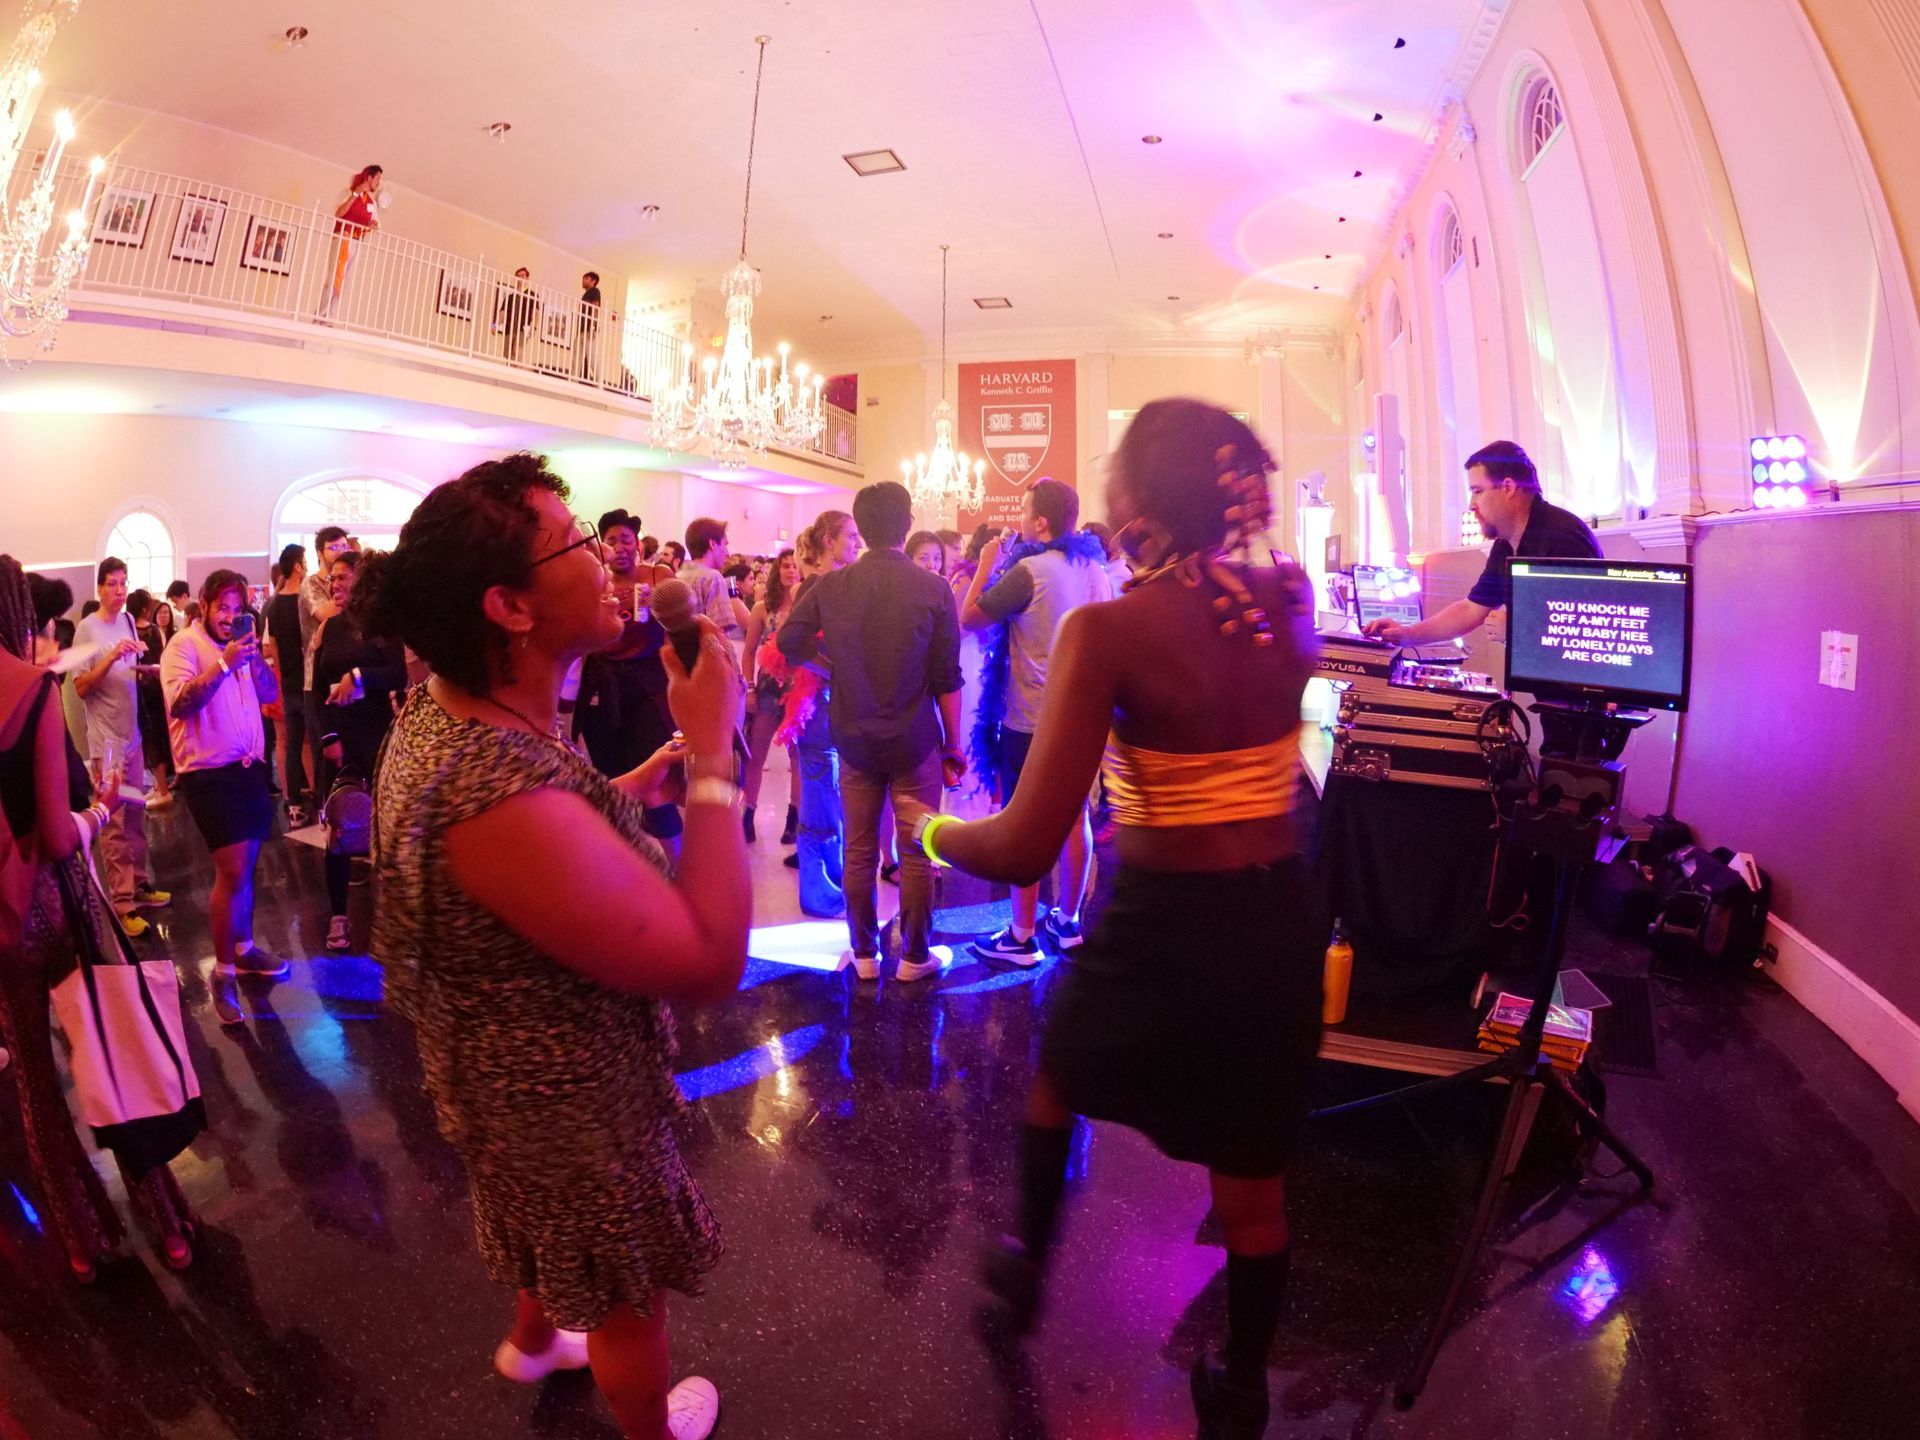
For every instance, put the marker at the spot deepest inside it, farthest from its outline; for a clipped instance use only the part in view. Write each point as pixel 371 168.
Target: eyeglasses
pixel 589 535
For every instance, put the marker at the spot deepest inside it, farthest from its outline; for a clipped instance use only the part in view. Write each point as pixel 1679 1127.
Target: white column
pixel 1092 376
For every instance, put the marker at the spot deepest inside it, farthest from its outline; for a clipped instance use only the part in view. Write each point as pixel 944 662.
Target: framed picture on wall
pixel 269 246
pixel 456 296
pixel 556 327
pixel 196 234
pixel 123 216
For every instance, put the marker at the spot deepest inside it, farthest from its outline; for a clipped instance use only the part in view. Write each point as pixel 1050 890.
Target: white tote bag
pixel 131 1072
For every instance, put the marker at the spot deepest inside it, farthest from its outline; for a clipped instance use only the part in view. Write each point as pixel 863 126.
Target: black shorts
pixel 230 804
pixel 1015 745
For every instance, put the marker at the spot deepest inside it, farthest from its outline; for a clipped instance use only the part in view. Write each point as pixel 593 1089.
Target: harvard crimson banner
pixel 1021 419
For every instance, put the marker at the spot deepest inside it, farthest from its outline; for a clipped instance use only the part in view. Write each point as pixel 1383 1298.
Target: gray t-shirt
pixel 1034 597
pixel 113 705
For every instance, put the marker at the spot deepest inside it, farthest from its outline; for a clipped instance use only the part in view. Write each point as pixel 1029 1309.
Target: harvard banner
pixel 1020 418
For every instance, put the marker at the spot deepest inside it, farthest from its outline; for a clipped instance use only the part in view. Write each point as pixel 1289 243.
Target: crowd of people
pixel 549 735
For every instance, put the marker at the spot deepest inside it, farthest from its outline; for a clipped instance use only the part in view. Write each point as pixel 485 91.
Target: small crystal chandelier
pixel 734 403
pixel 33 287
pixel 943 480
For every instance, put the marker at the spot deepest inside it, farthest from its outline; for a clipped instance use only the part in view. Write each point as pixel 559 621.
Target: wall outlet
pixel 1839 659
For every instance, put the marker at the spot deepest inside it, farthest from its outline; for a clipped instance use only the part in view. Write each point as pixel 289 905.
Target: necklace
pixel 522 717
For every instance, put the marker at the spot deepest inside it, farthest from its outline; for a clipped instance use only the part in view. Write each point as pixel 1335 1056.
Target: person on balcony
pixel 517 314
pixel 588 338
pixel 353 220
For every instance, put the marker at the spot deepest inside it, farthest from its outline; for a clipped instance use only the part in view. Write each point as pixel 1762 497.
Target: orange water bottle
pixel 1336 979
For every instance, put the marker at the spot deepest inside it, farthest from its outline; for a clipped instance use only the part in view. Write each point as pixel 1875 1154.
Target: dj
pixel 1506 500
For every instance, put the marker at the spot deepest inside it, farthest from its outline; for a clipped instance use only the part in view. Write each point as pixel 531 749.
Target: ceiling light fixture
pixel 734 403
pixel 649 212
pixel 994 302
pixel 1149 139
pixel 946 479
pixel 1400 44
pixel 1166 234
pixel 1378 117
pixel 296 37
pixel 499 130
pixel 33 286
pixel 874 162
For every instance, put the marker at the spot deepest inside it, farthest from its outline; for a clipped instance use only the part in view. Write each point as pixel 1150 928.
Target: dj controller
pixel 1410 716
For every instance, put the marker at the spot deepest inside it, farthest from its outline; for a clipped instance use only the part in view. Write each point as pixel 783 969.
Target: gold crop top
pixel 1156 790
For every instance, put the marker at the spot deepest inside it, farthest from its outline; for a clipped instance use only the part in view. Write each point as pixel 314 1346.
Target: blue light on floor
pixel 1591 1287
pixel 26 1208
pixel 753 1065
pixel 1003 981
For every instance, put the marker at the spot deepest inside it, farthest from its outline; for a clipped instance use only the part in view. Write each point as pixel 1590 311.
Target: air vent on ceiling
pixel 874 162
pixel 993 302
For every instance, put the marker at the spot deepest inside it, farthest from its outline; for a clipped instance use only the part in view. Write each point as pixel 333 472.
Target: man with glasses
pixel 1504 492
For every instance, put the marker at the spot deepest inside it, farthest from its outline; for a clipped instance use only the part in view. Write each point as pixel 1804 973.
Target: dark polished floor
pixel 858 1146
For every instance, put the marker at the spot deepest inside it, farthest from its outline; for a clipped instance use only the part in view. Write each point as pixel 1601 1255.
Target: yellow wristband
pixel 927 830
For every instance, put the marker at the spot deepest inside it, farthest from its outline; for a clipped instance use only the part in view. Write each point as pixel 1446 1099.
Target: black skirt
pixel 1192 1013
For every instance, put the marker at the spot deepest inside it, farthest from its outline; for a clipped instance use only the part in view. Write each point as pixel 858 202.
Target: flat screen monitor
pixel 1383 592
pixel 1616 631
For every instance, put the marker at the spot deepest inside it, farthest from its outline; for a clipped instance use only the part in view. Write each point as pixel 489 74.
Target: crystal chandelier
pixel 735 404
pixel 944 480
pixel 33 287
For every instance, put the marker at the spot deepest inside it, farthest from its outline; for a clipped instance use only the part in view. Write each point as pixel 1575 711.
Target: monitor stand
pixel 1586 730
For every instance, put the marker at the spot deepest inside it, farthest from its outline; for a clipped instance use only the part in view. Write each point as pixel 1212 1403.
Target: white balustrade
pixel 182 240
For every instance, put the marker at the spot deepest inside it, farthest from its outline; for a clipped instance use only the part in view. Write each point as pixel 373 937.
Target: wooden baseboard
pixel 1860 1015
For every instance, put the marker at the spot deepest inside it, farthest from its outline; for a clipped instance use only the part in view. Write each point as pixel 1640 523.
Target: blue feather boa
pixel 996 656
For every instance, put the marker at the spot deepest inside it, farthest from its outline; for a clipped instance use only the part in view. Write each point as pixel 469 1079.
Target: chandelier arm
pixel 753 135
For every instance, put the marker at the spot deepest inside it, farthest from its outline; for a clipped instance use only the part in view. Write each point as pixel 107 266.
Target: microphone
pixel 673 608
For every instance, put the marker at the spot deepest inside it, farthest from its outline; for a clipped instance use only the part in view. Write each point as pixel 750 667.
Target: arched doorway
pixel 371 507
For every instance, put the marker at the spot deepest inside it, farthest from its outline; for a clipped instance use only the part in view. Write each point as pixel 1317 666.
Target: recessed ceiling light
pixel 1400 44
pixel 1316 287
pixel 1343 219
pixel 993 302
pixel 825 319
pixel 1326 257
pixel 499 130
pixel 1173 297
pixel 649 212
pixel 1378 116
pixel 874 162
pixel 1149 139
pixel 1356 174
pixel 296 36
pixel 1166 234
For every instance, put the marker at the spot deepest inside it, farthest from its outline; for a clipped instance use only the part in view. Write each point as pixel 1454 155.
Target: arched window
pixel 1541 118
pixel 370 507
pixel 1396 325
pixel 1453 245
pixel 1581 442
pixel 146 543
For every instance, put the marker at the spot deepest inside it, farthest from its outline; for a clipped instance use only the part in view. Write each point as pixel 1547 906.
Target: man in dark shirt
pixel 892 636
pixel 1506 499
pixel 588 336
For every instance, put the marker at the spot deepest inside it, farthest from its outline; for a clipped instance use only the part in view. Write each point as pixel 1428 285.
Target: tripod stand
pixel 1573 840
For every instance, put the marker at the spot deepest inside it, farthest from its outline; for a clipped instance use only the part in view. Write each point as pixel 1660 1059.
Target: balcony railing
pixel 185 240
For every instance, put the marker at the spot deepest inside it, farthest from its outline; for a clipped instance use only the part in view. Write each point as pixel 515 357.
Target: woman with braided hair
pixel 51 814
pixel 1192 1012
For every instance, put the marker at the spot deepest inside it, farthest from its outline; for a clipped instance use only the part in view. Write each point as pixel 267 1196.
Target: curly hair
pixel 17 616
pixel 467 536
pixel 1198 472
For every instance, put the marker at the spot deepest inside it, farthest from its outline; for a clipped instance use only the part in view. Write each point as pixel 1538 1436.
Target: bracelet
pixel 225 669
pixel 712 791
pixel 929 827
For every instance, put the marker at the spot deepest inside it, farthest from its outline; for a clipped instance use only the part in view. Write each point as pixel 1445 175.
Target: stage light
pixel 1782 471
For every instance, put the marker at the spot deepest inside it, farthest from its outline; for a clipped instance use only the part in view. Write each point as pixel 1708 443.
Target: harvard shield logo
pixel 1015 438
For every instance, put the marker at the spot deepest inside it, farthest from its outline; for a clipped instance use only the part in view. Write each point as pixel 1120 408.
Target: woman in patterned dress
pixel 540 1014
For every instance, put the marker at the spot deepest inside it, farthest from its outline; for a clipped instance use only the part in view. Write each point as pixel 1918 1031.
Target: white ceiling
pixel 1019 121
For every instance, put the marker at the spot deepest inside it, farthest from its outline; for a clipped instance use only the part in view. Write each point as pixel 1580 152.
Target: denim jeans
pixel 862 793
pixel 821 837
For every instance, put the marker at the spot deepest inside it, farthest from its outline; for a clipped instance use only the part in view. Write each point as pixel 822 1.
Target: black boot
pixel 792 833
pixel 1231 1399
pixel 746 824
pixel 1015 1266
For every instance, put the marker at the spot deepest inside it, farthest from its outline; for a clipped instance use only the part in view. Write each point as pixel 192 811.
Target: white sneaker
pixel 337 938
pixel 867 967
pixel 939 957
pixel 567 1351
pixel 693 1409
